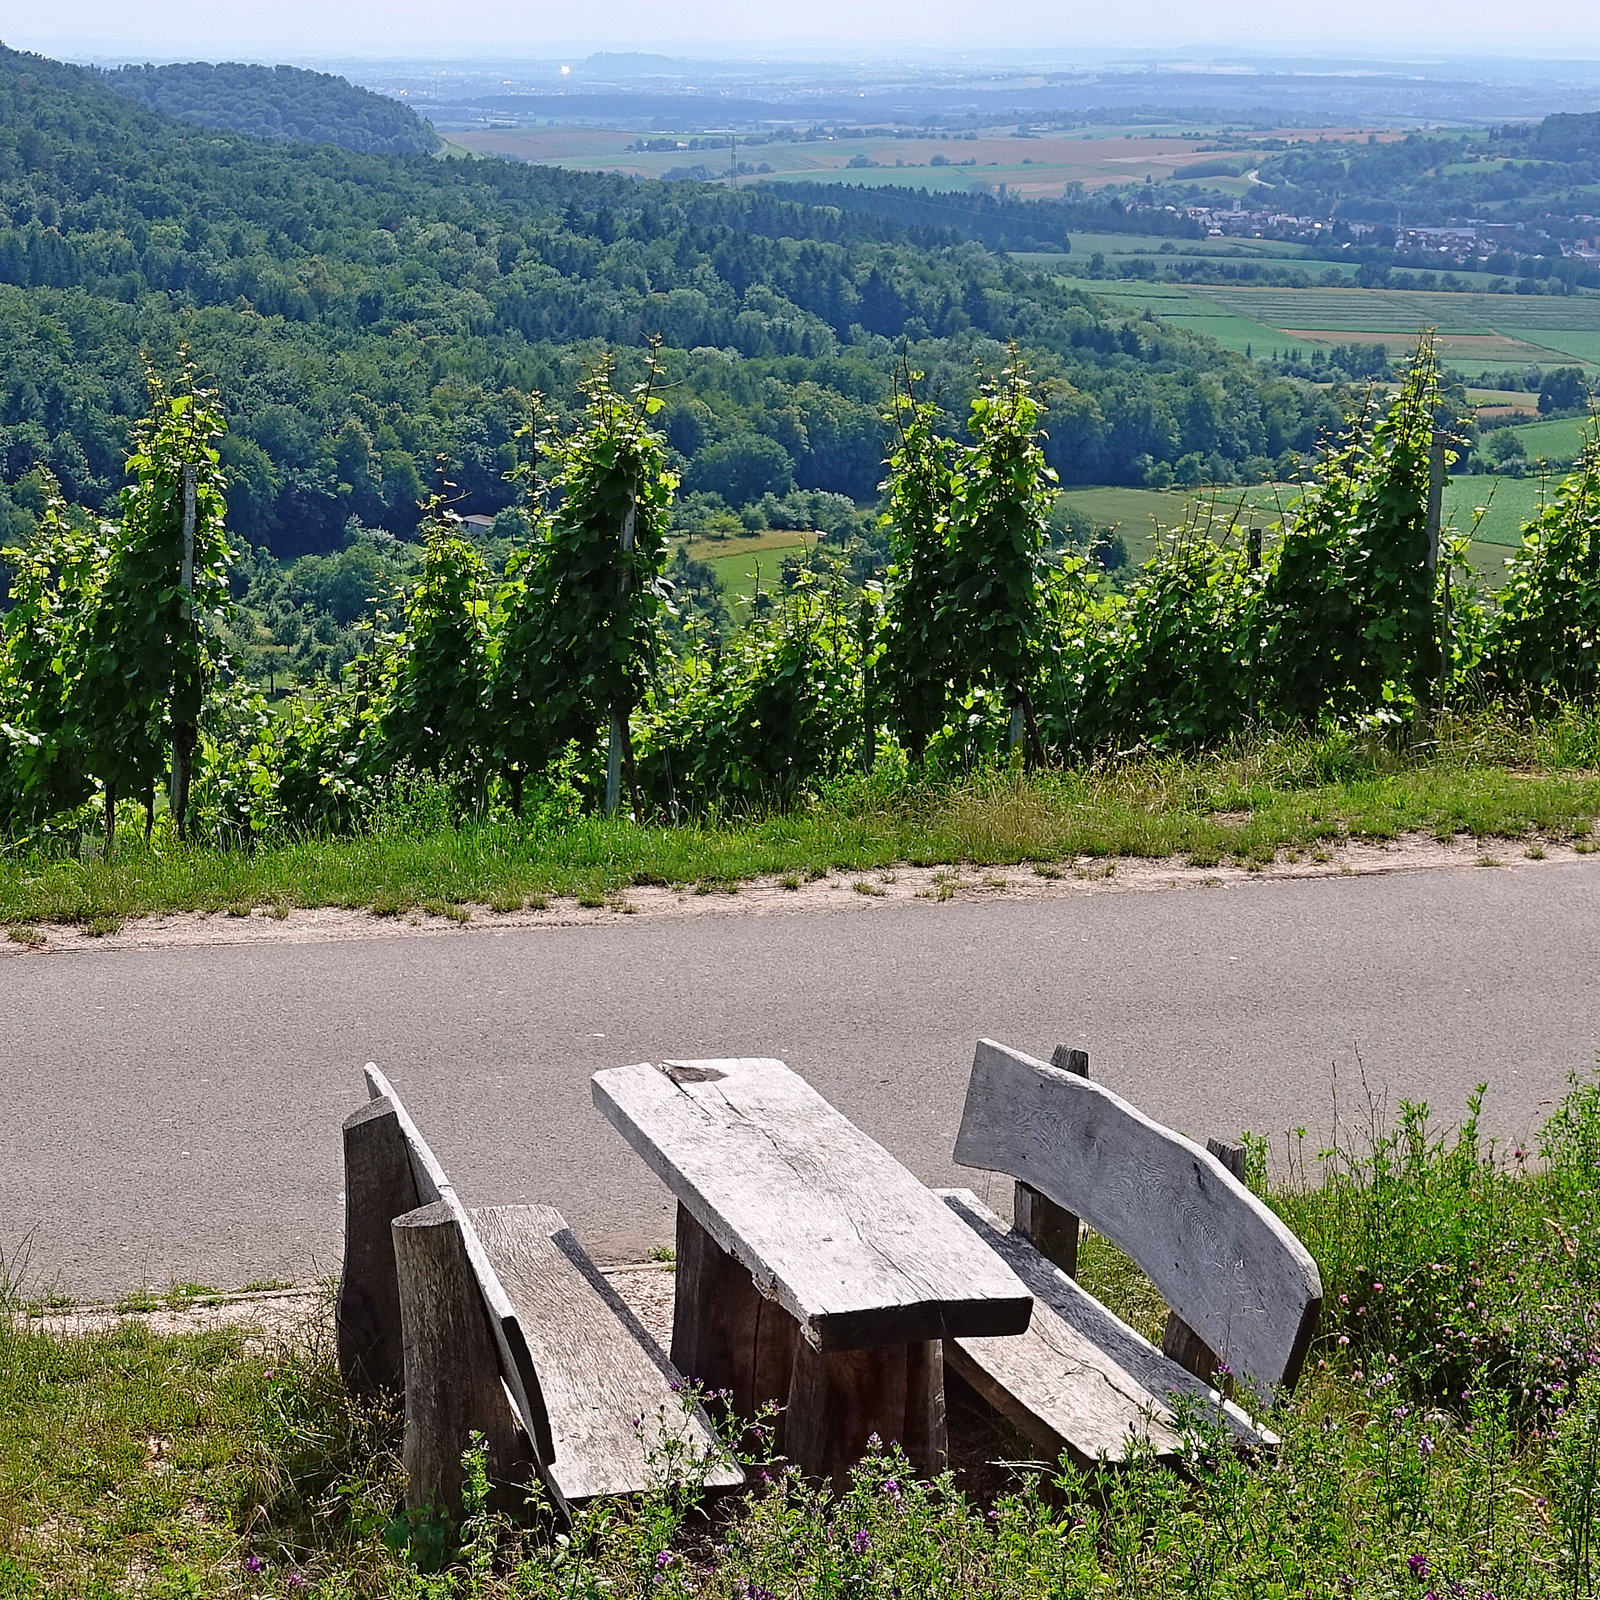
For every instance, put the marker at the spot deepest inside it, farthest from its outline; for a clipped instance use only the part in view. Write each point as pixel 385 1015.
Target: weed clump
pixel 1445 1441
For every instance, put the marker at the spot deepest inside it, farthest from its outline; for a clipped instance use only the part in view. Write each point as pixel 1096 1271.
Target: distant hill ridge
pixel 283 103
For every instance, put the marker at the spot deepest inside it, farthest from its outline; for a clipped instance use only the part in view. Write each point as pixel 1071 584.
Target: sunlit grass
pixel 1486 779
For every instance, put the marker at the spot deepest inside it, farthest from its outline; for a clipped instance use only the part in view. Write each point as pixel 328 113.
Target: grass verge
pixel 1445 1442
pixel 1487 780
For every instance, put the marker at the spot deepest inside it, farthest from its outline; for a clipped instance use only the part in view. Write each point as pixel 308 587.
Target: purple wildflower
pixel 1418 1565
pixel 253 1563
pixel 862 1541
pixel 1425 1446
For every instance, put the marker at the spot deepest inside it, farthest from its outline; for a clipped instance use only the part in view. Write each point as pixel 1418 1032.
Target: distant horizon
pixel 1040 57
pixel 1420 31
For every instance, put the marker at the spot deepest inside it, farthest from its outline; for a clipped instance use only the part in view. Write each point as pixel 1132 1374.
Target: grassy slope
pixel 740 561
pixel 1246 807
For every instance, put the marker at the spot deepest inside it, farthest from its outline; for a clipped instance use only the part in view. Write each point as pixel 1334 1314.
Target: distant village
pixel 1467 238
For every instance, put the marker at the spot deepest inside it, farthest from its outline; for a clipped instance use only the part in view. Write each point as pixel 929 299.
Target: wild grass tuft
pixel 1483 779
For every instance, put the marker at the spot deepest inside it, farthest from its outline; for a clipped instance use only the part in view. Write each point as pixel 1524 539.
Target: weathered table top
pixel 828 1223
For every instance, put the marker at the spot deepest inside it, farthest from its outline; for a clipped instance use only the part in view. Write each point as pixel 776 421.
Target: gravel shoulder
pixel 844 892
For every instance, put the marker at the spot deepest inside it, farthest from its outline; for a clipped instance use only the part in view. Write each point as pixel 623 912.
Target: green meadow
pixel 1558 439
pixel 1490 510
pixel 745 562
pixel 1476 331
pixel 1193 309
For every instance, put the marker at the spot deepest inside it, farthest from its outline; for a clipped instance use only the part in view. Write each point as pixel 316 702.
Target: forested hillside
pixel 368 316
pixel 1541 172
pixel 278 103
pixel 1001 222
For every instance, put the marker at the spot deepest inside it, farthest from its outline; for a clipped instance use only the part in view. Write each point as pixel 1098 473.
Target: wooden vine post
pixel 184 732
pixel 619 713
pixel 1436 644
pixel 869 710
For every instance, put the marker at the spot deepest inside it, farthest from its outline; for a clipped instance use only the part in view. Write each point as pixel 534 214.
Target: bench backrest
pixel 516 1362
pixel 1219 1258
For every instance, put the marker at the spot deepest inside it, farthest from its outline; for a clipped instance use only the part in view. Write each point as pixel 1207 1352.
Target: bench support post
pixel 1179 1342
pixel 378 1187
pixel 838 1399
pixel 1051 1229
pixel 725 1333
pixel 452 1366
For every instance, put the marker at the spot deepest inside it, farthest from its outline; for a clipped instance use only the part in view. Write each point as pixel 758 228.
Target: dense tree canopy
pixel 278 103
pixel 367 315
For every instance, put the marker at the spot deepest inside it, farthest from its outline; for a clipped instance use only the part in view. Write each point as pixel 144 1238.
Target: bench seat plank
pixel 826 1221
pixel 1079 1380
pixel 615 1419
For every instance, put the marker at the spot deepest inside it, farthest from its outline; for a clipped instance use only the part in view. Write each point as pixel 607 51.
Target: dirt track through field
pixel 170 1104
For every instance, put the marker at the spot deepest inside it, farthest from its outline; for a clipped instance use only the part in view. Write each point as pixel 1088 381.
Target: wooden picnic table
pixel 813 1270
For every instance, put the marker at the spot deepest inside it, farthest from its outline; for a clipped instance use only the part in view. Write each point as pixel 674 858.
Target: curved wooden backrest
pixel 516 1361
pixel 1219 1258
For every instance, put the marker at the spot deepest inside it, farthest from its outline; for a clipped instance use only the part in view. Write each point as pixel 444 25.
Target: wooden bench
pixel 1244 1293
pixel 495 1319
pixel 814 1271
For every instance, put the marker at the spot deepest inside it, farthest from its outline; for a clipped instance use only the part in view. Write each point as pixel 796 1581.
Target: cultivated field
pixel 1478 332
pixel 1557 440
pixel 1038 166
pixel 1477 329
pixel 1196 309
pixel 1147 252
pixel 1113 246
pixel 1491 510
pixel 744 561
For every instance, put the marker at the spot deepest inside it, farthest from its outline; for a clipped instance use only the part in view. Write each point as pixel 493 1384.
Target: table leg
pixel 839 1398
pixel 725 1333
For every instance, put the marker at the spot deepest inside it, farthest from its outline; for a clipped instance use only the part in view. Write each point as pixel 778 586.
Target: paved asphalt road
pixel 173 1115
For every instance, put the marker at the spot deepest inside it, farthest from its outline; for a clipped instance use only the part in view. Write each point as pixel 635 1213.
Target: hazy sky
pixel 302 29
